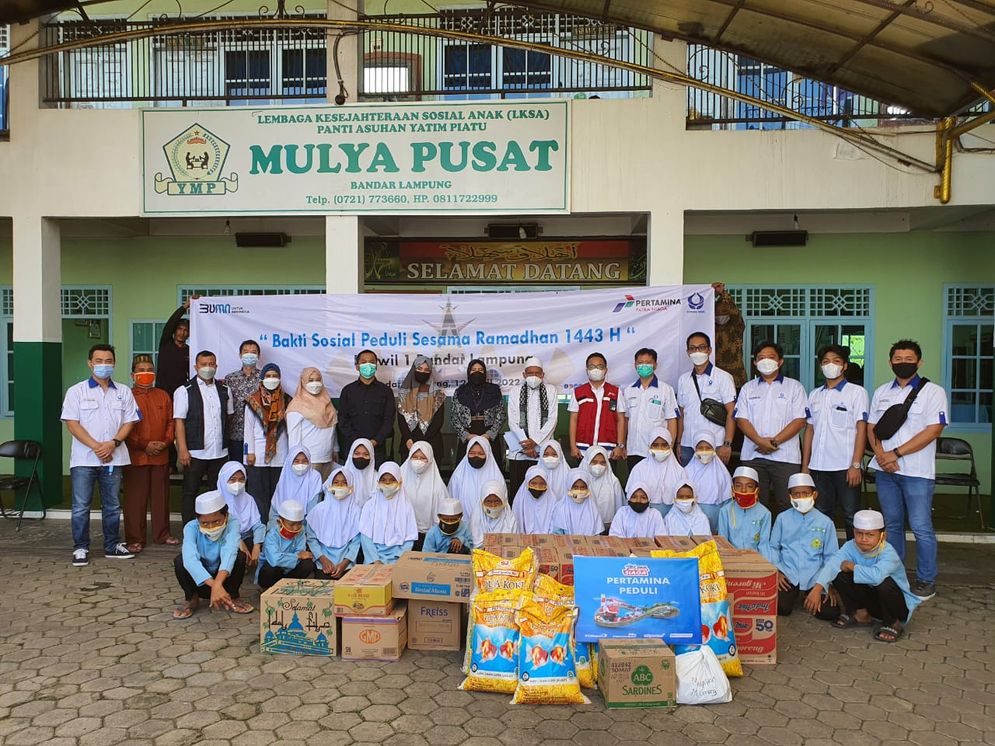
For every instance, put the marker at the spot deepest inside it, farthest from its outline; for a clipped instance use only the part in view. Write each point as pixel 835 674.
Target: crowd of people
pixel 297 487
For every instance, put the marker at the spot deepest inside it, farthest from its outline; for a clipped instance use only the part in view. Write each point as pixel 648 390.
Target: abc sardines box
pixel 636 673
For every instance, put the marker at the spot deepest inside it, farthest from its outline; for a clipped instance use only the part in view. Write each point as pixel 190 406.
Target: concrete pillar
pixel 665 246
pixel 343 254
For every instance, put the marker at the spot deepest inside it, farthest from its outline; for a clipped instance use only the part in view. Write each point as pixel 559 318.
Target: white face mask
pixel 300 469
pixel 579 496
pixel 831 371
pixel 550 462
pixel 214 533
pixel 596 374
pixel 685 506
pixel 766 366
pixel 236 488
pixel 493 513
pixel 271 384
pixel 659 455
pixel 533 382
pixel 419 465
pixel 314 387
pixel 207 372
pixel 341 493
pixel 803 504
pixel 705 457
pixel 699 358
pixel 598 469
pixel 389 490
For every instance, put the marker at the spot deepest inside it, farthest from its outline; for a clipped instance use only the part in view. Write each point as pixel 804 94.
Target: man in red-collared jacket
pixel 597 413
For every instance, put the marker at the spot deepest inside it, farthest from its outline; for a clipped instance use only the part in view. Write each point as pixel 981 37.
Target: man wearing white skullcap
pixel 870 580
pixel 210 565
pixel 285 553
pixel 801 542
pixel 451 535
pixel 743 520
pixel 532 410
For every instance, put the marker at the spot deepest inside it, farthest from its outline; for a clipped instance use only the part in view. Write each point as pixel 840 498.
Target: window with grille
pixel 186 291
pixel 145 337
pixel 86 302
pixel 4 38
pixel 967 365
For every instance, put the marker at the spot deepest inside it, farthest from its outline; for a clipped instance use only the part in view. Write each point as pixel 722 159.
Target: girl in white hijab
pixel 423 485
pixel 361 470
pixel 606 490
pixel 661 471
pixel 298 481
pixel 471 474
pixel 686 519
pixel 496 516
pixel 387 524
pixel 242 507
pixel 576 514
pixel 333 527
pixel 534 503
pixel 635 520
pixel 713 485
pixel 555 468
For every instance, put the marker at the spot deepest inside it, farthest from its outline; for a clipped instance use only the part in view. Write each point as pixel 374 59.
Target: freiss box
pixel 435 625
pixel 433 577
pixel 636 673
pixel 364 591
pixel 752 585
pixel 298 616
pixel 381 638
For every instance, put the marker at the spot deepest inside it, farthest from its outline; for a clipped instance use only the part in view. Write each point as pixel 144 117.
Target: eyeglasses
pixel 698 348
pixel 597 367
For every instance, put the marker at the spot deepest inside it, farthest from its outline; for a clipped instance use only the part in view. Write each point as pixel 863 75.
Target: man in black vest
pixel 201 408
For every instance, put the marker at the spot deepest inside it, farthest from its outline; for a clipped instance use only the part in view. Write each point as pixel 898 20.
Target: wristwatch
pixel 620 445
pixel 117 442
pixel 856 465
pixel 727 444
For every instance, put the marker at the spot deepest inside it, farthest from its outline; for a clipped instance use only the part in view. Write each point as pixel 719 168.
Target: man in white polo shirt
pixel 712 383
pixel 834 442
pixel 99 414
pixel 906 461
pixel 771 412
pixel 649 403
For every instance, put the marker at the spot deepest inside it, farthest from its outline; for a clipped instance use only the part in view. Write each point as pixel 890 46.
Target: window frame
pixel 950 321
pixel 154 353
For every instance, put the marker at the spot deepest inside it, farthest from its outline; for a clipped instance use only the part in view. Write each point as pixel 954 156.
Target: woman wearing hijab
pixel 423 485
pixel 711 479
pixel 359 463
pixel 478 408
pixel 475 469
pixel 534 503
pixel 635 520
pixel 298 482
pixel 420 407
pixel 241 507
pixel 333 527
pixel 686 519
pixel 265 436
pixel 606 490
pixel 496 516
pixel 661 471
pixel 555 467
pixel 387 524
pixel 311 419
pixel 577 514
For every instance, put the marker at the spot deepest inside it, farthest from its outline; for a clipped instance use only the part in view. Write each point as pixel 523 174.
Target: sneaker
pixel 81 557
pixel 924 590
pixel 120 552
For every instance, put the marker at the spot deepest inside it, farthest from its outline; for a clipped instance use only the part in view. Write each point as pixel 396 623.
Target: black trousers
pixel 787 599
pixel 190 588
pixel 268 575
pixel 774 483
pixel 193 478
pixel 260 482
pixel 236 449
pixel 884 601
pixel 516 475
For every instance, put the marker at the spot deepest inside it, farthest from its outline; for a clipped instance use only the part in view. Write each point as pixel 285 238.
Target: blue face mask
pixel 103 371
pixel 645 370
pixel 250 359
pixel 367 370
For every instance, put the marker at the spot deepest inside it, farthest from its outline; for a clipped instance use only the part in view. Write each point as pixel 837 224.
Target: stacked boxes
pixel 374 627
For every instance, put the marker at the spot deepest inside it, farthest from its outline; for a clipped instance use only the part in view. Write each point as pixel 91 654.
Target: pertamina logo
pixel 369 637
pixel 644 305
pixel 195 158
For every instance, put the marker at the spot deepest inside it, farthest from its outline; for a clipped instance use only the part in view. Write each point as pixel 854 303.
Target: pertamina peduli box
pixel 435 625
pixel 298 616
pixel 364 591
pixel 381 638
pixel 752 585
pixel 430 576
pixel 636 673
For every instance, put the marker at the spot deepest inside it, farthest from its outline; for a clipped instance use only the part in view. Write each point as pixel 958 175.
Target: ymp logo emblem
pixel 629 302
pixel 369 637
pixel 195 158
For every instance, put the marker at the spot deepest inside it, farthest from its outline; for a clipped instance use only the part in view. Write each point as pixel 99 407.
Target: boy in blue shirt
pixel 285 552
pixel 870 580
pixel 743 521
pixel 451 535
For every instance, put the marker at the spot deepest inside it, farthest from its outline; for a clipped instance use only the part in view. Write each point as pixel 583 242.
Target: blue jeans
pixel 900 495
pixel 84 478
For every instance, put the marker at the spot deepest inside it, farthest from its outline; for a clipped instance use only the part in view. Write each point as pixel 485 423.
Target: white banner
pixel 397 158
pixel 561 328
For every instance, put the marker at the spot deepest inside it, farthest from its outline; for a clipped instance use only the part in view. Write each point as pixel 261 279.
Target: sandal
pixel 889 633
pixel 241 607
pixel 184 612
pixel 135 548
pixel 843 621
pixel 172 541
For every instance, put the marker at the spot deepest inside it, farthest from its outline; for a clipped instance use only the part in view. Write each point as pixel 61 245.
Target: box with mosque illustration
pixel 298 617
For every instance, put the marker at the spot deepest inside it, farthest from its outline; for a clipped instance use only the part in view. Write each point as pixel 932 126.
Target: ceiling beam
pixel 728 20
pixel 867 39
pixel 933 18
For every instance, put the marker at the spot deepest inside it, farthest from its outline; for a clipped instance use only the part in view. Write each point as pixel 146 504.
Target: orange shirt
pixel 156 424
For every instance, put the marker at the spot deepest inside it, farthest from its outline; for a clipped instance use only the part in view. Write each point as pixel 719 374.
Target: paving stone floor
pixel 91 656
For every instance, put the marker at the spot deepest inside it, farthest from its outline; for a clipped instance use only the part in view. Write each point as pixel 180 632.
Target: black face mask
pixel 536 493
pixel 638 507
pixel 422 376
pixel 904 370
pixel 476 462
pixel 448 528
pixel 477 378
pixel 360 463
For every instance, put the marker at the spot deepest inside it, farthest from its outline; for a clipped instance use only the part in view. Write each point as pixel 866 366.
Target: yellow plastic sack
pixel 716 614
pixel 552 594
pixel 547 674
pixel 491 659
pixel 586 658
pixel 494 573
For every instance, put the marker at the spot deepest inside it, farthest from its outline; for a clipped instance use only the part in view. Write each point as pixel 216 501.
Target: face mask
pixel 698 358
pixel 803 504
pixel 536 492
pixel 207 372
pixel 289 533
pixel 477 378
pixel 684 506
pixel 493 513
pixel 341 493
pixel 533 382
pixel 422 376
pixel 419 465
pixel 745 499
pixel 271 384
pixel 705 457
pixel 638 507
pixel 314 387
pixel 476 461
pixel 103 371
pixel 596 374
pixel 904 370
pixel 367 370
pixel 645 370
pixel 448 528
pixel 214 533
pixel 145 379
pixel 250 359
pixel 831 371
pixel 598 469
pixel 579 496
pixel 300 469
pixel 550 462
pixel 236 488
pixel 660 455
pixel 766 366
pixel 360 463
pixel 389 490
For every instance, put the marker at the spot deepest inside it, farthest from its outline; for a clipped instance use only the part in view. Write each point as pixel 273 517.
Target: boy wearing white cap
pixel 743 521
pixel 285 552
pixel 451 535
pixel 801 542
pixel 210 565
pixel 870 580
pixel 532 411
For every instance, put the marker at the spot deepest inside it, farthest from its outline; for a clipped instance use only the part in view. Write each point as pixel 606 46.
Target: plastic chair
pixel 958 450
pixel 21 449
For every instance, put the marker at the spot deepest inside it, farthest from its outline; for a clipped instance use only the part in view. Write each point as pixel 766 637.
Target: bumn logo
pixel 195 158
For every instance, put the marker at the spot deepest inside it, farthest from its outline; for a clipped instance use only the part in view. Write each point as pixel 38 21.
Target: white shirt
pixel 541 435
pixel 214 432
pixel 318 440
pixel 255 442
pixel 101 413
pixel 833 416
pixel 714 383
pixel 647 409
pixel 929 408
pixel 769 407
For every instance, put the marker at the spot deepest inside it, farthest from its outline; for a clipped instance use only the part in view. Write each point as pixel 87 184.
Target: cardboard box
pixel 543 540
pixel 566 566
pixel 676 543
pixel 640 542
pixel 365 591
pixel 381 638
pixel 549 561
pixel 720 541
pixel 752 585
pixel 435 625
pixel 433 577
pixel 298 616
pixel 636 673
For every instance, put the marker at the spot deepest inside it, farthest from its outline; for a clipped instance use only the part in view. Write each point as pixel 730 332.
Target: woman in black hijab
pixel 478 408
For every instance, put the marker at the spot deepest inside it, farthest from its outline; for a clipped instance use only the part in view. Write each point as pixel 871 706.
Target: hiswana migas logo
pixel 646 304
pixel 629 302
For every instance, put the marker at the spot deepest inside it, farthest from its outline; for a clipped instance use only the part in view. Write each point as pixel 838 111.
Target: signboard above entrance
pixel 427 158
